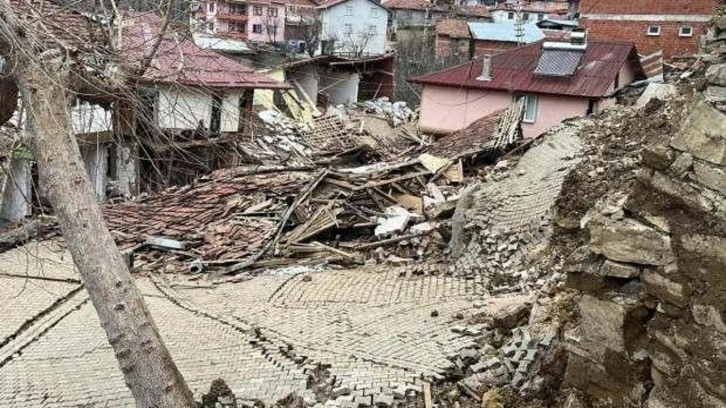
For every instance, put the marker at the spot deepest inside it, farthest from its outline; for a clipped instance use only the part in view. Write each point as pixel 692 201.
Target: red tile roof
pixel 672 7
pixel 179 60
pixel 549 7
pixel 513 71
pixel 473 11
pixel 412 5
pixel 453 28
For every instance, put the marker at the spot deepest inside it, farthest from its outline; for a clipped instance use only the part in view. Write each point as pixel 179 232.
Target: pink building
pixel 250 20
pixel 559 80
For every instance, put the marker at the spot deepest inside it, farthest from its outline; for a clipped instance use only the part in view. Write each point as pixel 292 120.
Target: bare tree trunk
pixel 146 364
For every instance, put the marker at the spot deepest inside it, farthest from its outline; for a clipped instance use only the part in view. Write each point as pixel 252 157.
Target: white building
pixel 354 28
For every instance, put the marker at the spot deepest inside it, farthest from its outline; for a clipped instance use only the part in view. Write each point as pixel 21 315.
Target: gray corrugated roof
pixel 558 62
pixel 505 31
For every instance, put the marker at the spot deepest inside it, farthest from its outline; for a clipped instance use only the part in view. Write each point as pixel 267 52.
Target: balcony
pixel 236 17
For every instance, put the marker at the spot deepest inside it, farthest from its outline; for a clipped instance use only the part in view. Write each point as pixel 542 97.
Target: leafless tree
pixel 357 43
pixel 312 30
pixel 45 60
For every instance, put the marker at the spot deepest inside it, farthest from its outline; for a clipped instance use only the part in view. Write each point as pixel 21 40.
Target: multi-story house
pixel 416 14
pixel 354 28
pixel 532 10
pixel 257 21
pixel 673 26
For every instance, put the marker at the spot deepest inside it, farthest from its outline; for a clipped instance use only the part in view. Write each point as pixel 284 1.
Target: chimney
pixel 486 69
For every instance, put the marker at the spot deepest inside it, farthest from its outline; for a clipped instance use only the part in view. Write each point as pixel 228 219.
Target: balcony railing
pixel 233 17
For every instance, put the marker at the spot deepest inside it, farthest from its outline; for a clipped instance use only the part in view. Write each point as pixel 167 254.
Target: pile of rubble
pixel 397 113
pixel 643 241
pixel 250 218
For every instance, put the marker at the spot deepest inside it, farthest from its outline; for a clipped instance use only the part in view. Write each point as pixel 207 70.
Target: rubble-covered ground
pixel 467 312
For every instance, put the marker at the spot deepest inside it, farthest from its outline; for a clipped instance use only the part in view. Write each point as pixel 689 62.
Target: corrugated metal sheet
pixel 513 71
pixel 558 62
pixel 504 31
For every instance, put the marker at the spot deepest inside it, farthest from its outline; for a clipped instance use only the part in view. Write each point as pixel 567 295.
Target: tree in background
pixel 416 57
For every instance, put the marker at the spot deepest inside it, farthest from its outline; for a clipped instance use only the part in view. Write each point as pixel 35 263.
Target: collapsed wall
pixel 648 259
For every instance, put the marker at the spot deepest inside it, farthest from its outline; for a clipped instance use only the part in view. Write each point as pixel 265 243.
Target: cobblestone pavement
pixel 374 330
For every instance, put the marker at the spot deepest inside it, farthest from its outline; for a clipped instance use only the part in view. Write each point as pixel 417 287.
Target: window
pixel 348 30
pixel 348 10
pixel 272 30
pixel 530 107
pixel 525 16
pixel 211 7
pixel 257 28
pixel 237 27
pixel 540 17
pixel 239 9
pixel 654 31
pixel 408 14
pixel 372 30
pixel 685 31
pixel 257 10
pixel 211 27
pixel 271 12
pixel 510 16
pixel 291 9
pixel 374 12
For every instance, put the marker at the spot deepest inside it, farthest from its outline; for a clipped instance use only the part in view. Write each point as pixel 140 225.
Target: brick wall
pixel 483 47
pixel 636 31
pixel 676 7
pixel 445 45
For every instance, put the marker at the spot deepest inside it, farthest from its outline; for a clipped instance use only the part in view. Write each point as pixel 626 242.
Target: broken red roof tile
pixel 513 71
pixel 212 217
pixel 453 28
pixel 468 141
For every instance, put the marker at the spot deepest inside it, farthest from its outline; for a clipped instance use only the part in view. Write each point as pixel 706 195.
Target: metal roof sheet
pixel 513 71
pixel 504 31
pixel 558 62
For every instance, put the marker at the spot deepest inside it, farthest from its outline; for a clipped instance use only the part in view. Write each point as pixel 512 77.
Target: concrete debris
pixel 397 113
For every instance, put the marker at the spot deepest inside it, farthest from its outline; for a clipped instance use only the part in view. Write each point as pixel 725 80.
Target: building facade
pixel 248 20
pixel 353 28
pixel 673 26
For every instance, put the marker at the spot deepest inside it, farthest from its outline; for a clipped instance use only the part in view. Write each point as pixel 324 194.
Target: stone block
pixel 657 157
pixel 682 164
pixel 715 94
pixel 658 284
pixel 609 324
pixel 703 134
pixel 629 241
pixel 619 270
pixel 716 74
pixel 708 316
pixel 711 176
pixel 655 91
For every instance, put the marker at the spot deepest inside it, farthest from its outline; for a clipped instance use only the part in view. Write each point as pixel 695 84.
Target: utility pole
pixel 519 23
